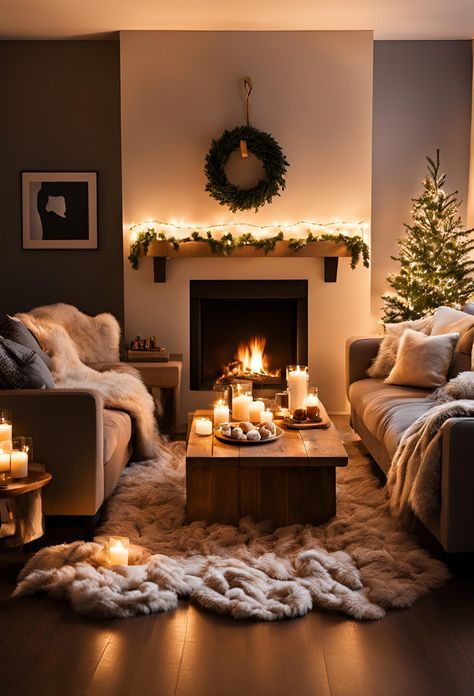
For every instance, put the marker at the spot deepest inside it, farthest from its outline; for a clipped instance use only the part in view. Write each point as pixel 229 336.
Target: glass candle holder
pixel 297 377
pixel 4 469
pixel 118 550
pixel 5 429
pixel 241 399
pixel 24 443
pixel 203 426
pixel 311 403
pixel 221 413
pixel 222 392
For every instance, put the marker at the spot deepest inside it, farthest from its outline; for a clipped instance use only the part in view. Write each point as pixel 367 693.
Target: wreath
pixel 265 148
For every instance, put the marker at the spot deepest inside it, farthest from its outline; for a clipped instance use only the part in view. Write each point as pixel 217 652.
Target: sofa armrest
pixel 457 485
pixel 360 351
pixel 67 430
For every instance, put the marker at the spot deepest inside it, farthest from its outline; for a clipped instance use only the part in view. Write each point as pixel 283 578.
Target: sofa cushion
pixel 14 330
pixel 387 410
pixel 423 361
pixel 22 368
pixel 117 431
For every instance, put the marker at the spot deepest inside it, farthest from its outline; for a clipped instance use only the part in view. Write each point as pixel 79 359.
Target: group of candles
pixel 13 462
pixel 245 408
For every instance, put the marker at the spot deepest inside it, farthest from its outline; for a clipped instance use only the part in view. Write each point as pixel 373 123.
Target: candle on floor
pixel 266 416
pixel 203 426
pixel 297 377
pixel 221 413
pixel 18 464
pixel 118 550
pixel 311 403
pixel 255 411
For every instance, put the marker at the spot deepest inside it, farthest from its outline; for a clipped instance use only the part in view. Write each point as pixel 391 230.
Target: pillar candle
pixel 297 388
pixel 221 413
pixel 241 407
pixel 118 551
pixel 203 426
pixel 4 462
pixel 5 437
pixel 19 464
pixel 266 416
pixel 255 411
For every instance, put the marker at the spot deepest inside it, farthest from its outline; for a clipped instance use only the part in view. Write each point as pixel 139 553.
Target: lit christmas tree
pixel 437 267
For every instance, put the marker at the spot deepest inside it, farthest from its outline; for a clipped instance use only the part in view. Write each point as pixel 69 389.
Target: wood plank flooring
pixel 48 650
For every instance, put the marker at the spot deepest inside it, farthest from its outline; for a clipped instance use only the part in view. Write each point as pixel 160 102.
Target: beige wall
pixel 313 92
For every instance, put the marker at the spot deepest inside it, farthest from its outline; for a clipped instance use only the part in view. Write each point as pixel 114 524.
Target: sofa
pixel 82 444
pixel 380 414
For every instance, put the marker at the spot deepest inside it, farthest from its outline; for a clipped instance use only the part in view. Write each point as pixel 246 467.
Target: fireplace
pixel 242 328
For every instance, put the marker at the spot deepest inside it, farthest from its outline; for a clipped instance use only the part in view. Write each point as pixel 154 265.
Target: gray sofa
pixel 380 413
pixel 83 445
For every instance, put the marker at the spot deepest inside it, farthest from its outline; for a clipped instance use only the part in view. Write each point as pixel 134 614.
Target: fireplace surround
pixel 226 313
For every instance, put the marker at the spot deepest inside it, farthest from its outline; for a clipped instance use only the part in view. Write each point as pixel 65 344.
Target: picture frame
pixel 59 210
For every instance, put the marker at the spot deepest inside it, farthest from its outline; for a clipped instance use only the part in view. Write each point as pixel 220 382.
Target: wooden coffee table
pixel 291 480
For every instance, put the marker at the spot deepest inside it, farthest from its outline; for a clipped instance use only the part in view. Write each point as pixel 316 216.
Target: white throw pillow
pixel 387 353
pixel 423 361
pixel 448 320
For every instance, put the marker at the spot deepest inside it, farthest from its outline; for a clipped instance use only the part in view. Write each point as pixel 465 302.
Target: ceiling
pixel 390 19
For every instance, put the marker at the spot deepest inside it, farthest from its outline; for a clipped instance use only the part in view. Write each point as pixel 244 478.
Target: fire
pixel 250 362
pixel 252 356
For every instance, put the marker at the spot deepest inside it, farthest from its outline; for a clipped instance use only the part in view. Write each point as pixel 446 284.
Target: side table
pixel 20 502
pixel 163 377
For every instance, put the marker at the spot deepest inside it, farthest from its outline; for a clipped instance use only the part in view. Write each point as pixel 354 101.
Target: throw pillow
pixel 423 361
pixel 385 358
pixel 22 368
pixel 448 320
pixel 14 330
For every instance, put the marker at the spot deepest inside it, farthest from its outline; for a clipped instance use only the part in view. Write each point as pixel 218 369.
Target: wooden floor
pixel 46 649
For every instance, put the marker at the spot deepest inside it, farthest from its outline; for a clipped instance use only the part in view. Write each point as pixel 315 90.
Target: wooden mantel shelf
pixel 330 251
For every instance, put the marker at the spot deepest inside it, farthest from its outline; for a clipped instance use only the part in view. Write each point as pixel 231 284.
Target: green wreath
pixel 266 149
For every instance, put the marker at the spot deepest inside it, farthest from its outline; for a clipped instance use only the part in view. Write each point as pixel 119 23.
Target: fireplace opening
pixel 247 329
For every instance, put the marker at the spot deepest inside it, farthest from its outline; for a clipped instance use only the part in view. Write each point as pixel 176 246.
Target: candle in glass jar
pixel 18 464
pixel 203 426
pixel 118 550
pixel 241 407
pixel 266 416
pixel 221 413
pixel 311 404
pixel 4 462
pixel 297 386
pixel 5 436
pixel 255 411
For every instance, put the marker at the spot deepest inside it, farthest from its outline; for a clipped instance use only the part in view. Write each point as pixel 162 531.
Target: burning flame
pixel 252 355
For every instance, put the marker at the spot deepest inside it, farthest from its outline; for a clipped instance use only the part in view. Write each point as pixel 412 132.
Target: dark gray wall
pixel 422 101
pixel 60 110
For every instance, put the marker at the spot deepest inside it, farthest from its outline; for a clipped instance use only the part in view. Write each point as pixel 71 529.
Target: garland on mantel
pixel 225 244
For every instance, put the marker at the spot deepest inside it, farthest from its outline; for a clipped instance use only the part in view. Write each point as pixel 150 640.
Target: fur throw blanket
pixel 74 341
pixel 414 478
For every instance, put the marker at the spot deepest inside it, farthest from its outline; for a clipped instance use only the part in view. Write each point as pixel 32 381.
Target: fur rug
pixel 74 340
pixel 360 563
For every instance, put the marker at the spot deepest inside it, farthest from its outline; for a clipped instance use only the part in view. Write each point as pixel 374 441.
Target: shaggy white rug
pixel 360 563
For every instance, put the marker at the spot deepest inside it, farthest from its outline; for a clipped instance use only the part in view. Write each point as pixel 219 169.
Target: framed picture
pixel 59 210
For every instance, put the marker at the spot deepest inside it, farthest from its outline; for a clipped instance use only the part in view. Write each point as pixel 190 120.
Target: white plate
pixel 224 438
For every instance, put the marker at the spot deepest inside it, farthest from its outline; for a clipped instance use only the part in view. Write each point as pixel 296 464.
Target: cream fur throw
pixel 73 339
pixel 360 563
pixel 414 478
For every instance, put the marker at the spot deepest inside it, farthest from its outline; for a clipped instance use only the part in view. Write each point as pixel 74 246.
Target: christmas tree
pixel 435 257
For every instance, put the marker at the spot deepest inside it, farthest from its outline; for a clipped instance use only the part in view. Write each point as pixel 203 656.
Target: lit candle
pixel 203 426
pixel 5 436
pixel 266 416
pixel 118 550
pixel 241 407
pixel 221 413
pixel 18 464
pixel 255 411
pixel 297 386
pixel 4 462
pixel 311 404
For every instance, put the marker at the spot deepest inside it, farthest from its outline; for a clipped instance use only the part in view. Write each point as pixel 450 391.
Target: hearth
pixel 247 329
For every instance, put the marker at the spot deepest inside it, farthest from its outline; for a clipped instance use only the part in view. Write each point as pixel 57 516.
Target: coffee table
pixel 289 481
